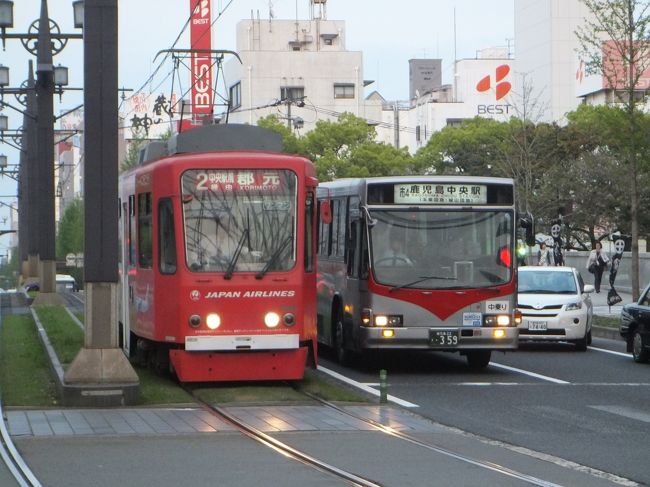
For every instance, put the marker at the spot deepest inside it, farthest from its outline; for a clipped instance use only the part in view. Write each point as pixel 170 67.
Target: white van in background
pixel 65 283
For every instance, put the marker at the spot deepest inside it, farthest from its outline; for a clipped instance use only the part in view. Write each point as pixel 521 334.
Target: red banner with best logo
pixel 201 63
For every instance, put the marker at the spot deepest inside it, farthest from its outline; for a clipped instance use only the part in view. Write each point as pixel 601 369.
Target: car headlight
pixel 574 306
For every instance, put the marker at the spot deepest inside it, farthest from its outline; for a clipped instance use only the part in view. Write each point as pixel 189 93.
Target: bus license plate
pixel 443 338
pixel 537 325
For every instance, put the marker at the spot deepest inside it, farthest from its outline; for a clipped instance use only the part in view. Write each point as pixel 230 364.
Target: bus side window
pixel 166 237
pixel 364 272
pixel 352 250
pixel 324 236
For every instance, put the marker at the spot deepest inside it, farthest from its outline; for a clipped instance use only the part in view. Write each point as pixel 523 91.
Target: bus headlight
pixel 271 320
pixel 195 321
pixel 213 321
pixel 497 320
pixel 498 333
pixel 503 320
pixel 393 321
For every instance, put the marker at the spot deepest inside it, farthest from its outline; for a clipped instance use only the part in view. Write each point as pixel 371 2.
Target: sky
pixel 389 33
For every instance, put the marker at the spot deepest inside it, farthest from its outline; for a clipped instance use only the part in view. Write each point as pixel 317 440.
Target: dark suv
pixel 635 327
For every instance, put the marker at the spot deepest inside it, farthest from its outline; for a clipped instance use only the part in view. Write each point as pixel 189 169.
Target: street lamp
pixel 4 74
pixel 6 17
pixel 44 40
pixel 78 7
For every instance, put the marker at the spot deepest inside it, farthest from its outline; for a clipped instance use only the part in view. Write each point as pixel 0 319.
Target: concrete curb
pixel 604 332
pixel 84 395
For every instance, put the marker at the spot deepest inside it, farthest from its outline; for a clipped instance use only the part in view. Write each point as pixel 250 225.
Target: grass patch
pixel 156 389
pixel 329 389
pixel 607 321
pixel 277 392
pixel 64 334
pixel 25 376
pixel 67 339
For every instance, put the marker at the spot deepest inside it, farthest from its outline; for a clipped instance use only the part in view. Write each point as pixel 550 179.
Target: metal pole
pixel 45 153
pixel 101 362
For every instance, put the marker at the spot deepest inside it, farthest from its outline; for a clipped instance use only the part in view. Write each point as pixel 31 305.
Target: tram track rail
pixel 382 428
pixel 281 447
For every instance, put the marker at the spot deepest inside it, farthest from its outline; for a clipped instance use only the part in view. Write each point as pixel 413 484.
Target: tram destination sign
pixel 440 194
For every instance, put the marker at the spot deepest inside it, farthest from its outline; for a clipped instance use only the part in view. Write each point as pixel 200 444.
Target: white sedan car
pixel 555 304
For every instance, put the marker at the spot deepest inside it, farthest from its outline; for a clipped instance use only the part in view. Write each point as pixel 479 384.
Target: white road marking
pixel 530 374
pixel 366 388
pixel 625 411
pixel 604 350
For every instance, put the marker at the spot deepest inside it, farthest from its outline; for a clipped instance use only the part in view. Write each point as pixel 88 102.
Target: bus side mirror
pixel 325 212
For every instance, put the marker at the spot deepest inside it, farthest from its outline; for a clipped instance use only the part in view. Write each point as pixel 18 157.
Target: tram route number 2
pixel 443 338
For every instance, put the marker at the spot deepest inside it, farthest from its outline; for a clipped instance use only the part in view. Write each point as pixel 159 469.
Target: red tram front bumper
pixel 237 366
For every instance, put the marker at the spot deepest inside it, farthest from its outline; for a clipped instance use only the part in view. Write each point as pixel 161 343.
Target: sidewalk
pixel 599 301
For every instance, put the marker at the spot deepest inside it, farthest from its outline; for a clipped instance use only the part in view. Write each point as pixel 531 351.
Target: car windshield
pixel 544 282
pixel 438 249
pixel 239 220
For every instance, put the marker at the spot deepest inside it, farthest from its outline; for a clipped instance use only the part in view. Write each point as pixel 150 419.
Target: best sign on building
pixel 483 89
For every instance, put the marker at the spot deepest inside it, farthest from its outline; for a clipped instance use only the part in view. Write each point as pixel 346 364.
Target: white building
pixel 546 53
pixel 297 70
pixel 483 88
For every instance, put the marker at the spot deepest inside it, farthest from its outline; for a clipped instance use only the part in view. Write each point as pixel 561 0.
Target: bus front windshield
pixel 429 249
pixel 239 220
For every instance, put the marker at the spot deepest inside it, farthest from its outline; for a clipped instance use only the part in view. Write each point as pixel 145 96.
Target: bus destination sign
pixel 440 194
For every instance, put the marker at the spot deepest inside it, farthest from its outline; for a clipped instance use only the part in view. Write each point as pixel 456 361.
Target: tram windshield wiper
pixel 421 279
pixel 235 257
pixel 274 257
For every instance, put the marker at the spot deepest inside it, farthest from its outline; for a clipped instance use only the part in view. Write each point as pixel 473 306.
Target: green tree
pixel 70 237
pixel 471 148
pixel 614 44
pixel 132 158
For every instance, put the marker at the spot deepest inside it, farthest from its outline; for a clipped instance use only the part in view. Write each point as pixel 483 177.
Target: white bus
pixel 418 262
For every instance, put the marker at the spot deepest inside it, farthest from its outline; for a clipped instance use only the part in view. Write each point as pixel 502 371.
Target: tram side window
pixel 131 237
pixel 145 242
pixel 166 237
pixel 309 232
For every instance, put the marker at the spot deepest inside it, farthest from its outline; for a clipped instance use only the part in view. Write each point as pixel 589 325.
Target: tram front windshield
pixel 239 220
pixel 441 249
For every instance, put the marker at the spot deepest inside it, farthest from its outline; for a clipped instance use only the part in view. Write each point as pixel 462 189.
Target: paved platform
pixel 174 421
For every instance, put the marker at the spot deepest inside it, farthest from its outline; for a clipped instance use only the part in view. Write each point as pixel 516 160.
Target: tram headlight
pixel 271 320
pixel 498 333
pixel 213 321
pixel 289 319
pixel 195 321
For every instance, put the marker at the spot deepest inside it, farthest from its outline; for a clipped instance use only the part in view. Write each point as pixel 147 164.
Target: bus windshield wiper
pixel 235 257
pixel 274 257
pixel 421 279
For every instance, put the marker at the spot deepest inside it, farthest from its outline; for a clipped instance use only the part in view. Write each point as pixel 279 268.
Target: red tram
pixel 218 256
